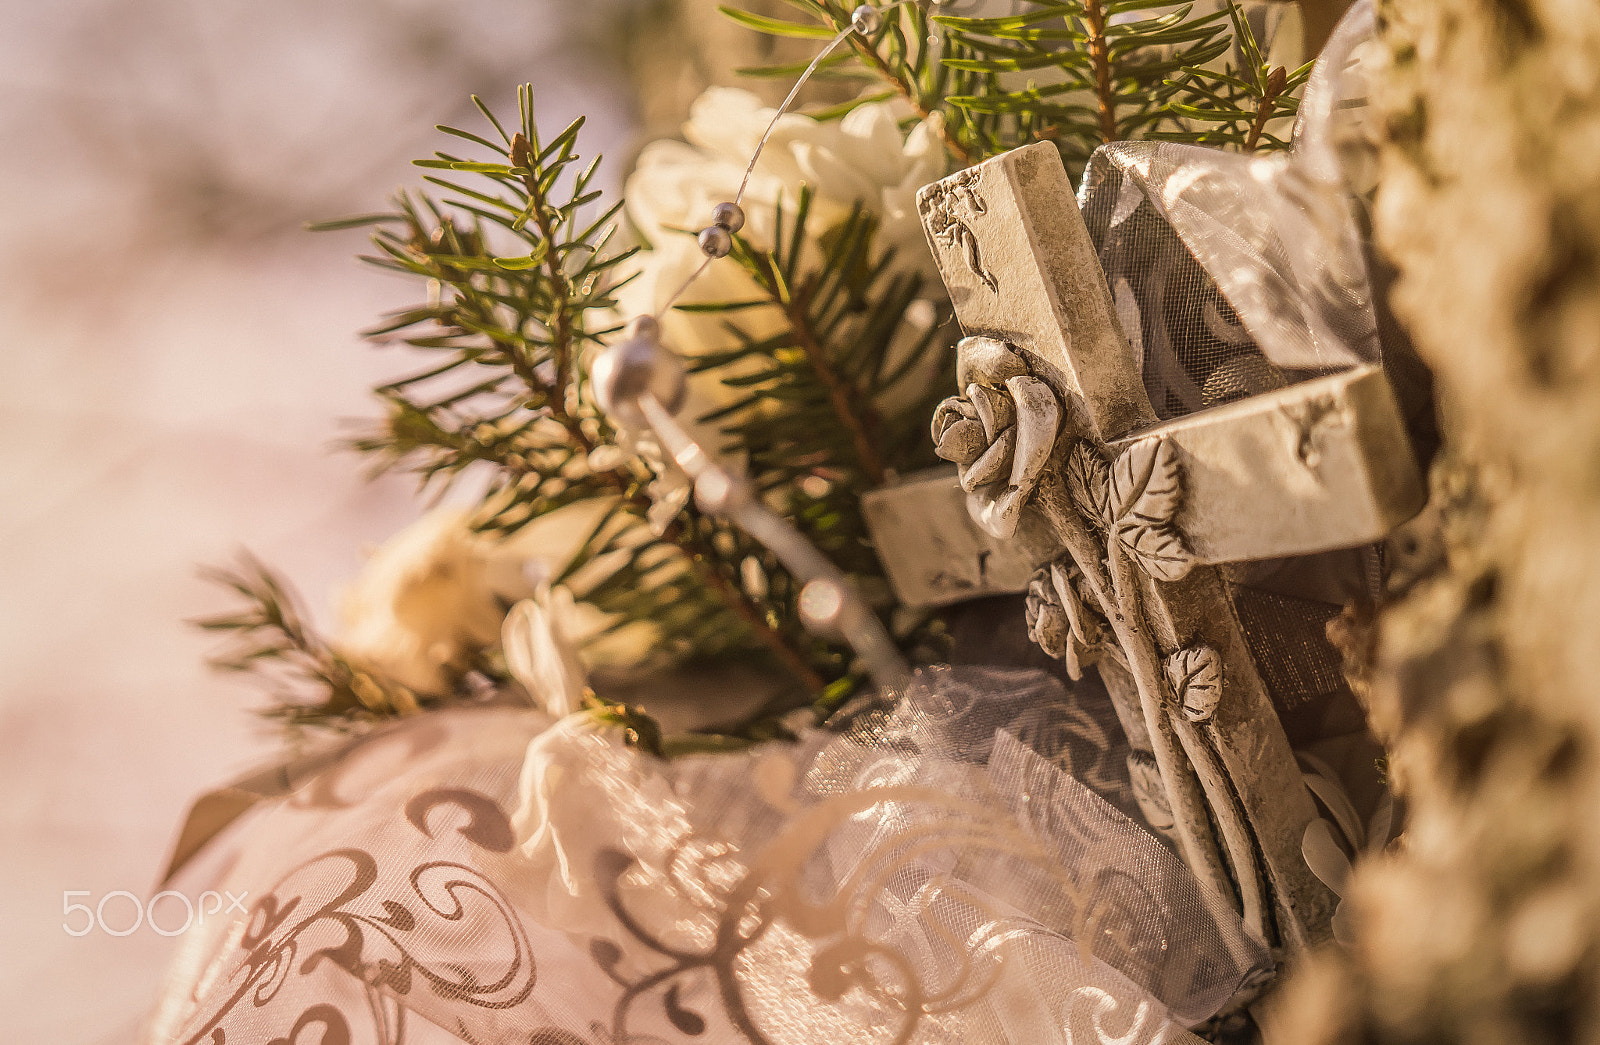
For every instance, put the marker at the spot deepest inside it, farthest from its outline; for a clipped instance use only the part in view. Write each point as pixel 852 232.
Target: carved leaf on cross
pixel 1136 500
pixel 1089 484
pixel 1195 675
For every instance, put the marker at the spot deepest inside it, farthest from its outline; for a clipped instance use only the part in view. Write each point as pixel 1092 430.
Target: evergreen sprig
pixel 809 405
pixel 512 331
pixel 270 639
pixel 1095 71
pixel 1236 106
pixel 520 284
pixel 1080 73
pixel 521 288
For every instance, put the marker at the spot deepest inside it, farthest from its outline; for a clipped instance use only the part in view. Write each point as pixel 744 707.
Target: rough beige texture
pixel 1486 928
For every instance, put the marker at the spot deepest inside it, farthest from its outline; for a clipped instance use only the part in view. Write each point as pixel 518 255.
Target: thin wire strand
pixel 783 109
pixel 772 125
pixel 673 300
pixel 833 45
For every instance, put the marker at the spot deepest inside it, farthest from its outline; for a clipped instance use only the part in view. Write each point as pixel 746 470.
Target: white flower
pixel 863 158
pixel 541 653
pixel 434 596
pixel 584 794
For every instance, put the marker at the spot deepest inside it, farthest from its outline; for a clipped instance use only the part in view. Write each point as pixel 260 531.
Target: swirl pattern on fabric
pixel 933 873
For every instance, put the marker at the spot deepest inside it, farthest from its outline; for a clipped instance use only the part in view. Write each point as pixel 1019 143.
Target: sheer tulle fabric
pixel 938 871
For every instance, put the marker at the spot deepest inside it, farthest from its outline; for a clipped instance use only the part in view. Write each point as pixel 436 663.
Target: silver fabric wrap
pixel 938 872
pixel 1234 273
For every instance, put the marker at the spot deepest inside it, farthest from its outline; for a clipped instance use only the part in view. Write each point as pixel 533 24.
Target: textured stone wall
pixel 1486 926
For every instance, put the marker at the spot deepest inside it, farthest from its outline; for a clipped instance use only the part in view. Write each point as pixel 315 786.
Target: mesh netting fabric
pixel 1301 669
pixel 1232 273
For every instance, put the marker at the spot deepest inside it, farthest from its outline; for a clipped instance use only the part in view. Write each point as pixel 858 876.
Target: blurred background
pixel 177 357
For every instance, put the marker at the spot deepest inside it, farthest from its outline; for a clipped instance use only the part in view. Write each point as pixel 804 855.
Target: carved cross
pixel 1053 425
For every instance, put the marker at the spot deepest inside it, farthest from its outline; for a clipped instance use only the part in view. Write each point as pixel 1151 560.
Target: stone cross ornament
pixel 1060 454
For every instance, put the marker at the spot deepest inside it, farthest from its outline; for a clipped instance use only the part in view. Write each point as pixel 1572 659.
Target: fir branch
pixel 705 552
pixel 1277 83
pixel 858 421
pixel 1080 73
pixel 312 683
pixel 792 649
pixel 810 420
pixel 1100 59
pixel 523 161
pixel 1233 107
pixel 855 416
pixel 810 410
pixel 513 403
pixel 1105 66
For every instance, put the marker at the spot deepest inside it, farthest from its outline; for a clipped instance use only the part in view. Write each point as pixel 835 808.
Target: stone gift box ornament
pixel 1115 485
pixel 1129 514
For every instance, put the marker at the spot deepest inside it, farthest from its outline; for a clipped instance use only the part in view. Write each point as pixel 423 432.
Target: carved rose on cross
pixel 999 434
pixel 1059 621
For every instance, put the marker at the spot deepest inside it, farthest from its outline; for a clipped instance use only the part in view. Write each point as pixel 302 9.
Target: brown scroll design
pixel 842 936
pixel 446 910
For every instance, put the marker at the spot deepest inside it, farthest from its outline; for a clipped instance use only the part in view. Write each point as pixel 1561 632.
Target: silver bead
pixel 720 492
pixel 729 216
pixel 715 241
pixel 637 364
pixel 822 604
pixel 866 19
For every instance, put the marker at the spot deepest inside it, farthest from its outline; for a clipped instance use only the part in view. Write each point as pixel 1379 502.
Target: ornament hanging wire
pixel 864 20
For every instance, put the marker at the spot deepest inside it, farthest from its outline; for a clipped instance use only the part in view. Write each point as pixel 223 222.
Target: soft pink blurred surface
pixel 175 362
